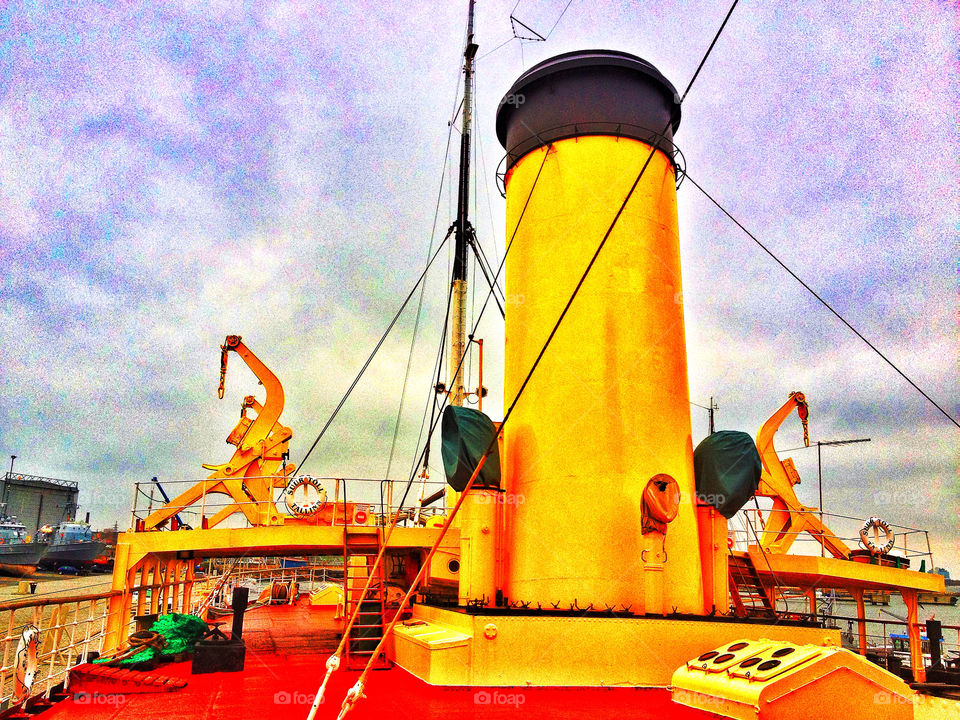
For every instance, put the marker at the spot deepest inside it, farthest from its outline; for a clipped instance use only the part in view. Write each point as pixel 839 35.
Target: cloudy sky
pixel 171 174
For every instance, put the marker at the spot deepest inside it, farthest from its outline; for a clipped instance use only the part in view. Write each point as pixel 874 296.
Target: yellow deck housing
pixel 771 680
pixel 451 647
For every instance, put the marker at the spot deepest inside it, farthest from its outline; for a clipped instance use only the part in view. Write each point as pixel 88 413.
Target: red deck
pixel 287 647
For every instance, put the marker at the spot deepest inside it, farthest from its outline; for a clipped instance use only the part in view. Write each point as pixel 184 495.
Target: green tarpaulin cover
pixel 180 631
pixel 465 436
pixel 727 468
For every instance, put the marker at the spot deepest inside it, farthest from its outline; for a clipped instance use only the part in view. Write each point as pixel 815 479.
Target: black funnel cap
pixel 588 92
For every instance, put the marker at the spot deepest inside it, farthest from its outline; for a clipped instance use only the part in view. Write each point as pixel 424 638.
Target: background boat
pixel 18 556
pixel 71 544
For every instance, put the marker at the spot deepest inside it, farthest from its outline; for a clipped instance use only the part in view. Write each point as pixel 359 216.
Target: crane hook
pixel 223 370
pixel 803 411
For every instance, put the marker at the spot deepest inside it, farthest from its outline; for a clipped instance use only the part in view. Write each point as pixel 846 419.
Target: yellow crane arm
pixel 780 476
pixel 269 414
pixel 258 463
pixel 789 517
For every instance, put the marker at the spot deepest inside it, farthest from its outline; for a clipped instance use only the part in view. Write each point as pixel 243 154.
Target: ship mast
pixel 463 227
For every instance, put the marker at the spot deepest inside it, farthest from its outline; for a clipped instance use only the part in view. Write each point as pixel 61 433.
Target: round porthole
pixel 749 662
pixel 726 657
pixel 768 665
pixel 782 652
pixel 707 655
pixel 737 646
pixel 453 566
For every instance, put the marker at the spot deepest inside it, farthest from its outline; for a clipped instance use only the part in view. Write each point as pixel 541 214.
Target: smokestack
pixel 607 410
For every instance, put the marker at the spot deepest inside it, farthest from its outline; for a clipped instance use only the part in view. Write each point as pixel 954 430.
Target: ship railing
pixel 879 641
pixel 272 570
pixel 878 644
pixel 70 629
pixel 911 544
pixel 371 494
pixel 224 574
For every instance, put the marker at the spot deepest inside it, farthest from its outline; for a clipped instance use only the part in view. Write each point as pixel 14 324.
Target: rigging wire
pixel 486 268
pixel 703 60
pixel 559 17
pixel 481 261
pixel 431 406
pixel 486 185
pixel 416 325
pixel 473 307
pixel 380 342
pixel 514 21
pixel 474 238
pixel 822 301
pixel 491 52
pixel 523 213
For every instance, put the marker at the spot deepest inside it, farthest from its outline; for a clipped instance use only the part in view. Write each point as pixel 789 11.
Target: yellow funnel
pixel 607 409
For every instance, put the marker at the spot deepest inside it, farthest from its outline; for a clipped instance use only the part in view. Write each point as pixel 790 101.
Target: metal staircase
pixel 361 544
pixel 750 596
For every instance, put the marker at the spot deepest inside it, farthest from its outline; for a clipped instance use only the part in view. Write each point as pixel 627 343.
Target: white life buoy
pixel 25 662
pixel 870 536
pixel 307 507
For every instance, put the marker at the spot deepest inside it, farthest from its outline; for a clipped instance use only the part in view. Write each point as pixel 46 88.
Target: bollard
pixel 934 638
pixel 240 595
pixel 22 587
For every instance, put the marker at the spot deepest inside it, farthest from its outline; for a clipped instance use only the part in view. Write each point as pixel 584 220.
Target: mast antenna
pixel 463 229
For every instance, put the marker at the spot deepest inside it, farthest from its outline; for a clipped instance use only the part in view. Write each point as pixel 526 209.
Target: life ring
pixel 870 536
pixel 25 661
pixel 304 509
